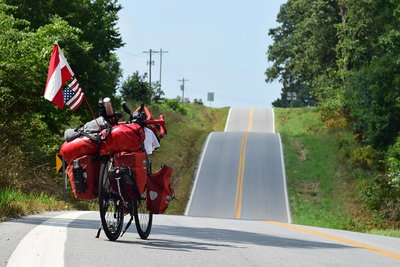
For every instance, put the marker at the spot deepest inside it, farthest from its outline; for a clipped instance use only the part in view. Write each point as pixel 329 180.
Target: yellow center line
pixel 250 126
pixel 338 239
pixel 242 159
pixel 239 188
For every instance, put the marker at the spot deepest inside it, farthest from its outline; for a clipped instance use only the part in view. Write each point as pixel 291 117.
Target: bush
pixel 393 163
pixel 174 105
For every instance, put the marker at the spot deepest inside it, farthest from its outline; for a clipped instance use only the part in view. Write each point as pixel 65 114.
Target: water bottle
pixel 79 179
pixel 108 106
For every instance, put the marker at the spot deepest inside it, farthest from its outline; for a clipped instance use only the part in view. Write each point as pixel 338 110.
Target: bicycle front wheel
pixel 110 205
pixel 143 219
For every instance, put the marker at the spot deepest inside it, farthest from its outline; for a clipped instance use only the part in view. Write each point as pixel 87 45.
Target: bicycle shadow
pixel 183 238
pixel 175 245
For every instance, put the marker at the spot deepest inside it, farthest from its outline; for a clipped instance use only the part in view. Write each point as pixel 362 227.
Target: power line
pixel 161 53
pixel 150 62
pixel 183 87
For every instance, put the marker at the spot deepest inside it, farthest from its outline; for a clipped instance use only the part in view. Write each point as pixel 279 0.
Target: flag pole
pixel 91 110
pixel 90 107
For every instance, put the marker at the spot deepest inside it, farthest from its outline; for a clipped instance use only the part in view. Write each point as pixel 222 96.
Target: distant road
pixel 259 120
pixel 241 171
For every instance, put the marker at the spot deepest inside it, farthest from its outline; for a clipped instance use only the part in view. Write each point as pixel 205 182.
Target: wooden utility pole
pixel 183 87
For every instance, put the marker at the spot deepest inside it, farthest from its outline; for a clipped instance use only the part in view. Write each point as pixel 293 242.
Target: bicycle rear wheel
pixel 110 205
pixel 143 219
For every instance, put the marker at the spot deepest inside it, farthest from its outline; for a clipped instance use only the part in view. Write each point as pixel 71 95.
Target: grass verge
pixel 14 203
pixel 324 188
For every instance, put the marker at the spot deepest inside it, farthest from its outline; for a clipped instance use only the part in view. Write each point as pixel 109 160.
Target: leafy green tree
pixel 95 64
pixel 303 52
pixel 136 88
pixel 24 57
pixel 369 58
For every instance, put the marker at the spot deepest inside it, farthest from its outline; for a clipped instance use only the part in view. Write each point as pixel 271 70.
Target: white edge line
pixel 44 245
pixel 227 120
pixel 197 174
pixel 273 120
pixel 284 180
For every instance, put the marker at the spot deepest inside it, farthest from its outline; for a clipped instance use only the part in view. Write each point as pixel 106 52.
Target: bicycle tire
pixel 110 205
pixel 143 219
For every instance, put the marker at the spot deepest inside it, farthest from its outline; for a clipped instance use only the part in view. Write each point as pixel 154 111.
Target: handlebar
pixel 161 122
pixel 144 117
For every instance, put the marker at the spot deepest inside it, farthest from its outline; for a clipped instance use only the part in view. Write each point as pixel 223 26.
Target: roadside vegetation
pixel 327 186
pixel 29 191
pixel 348 67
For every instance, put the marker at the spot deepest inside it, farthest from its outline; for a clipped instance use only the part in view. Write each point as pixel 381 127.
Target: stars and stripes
pixel 73 95
pixel 59 73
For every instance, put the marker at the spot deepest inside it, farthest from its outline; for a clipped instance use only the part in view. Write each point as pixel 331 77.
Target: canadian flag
pixel 59 73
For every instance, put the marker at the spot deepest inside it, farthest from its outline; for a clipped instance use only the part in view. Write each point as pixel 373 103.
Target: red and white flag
pixel 59 73
pixel 73 95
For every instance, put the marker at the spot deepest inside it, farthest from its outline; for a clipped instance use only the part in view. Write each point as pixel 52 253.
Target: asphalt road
pixel 244 183
pixel 68 239
pixel 241 171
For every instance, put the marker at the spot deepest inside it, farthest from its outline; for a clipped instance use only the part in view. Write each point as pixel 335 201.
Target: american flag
pixel 73 95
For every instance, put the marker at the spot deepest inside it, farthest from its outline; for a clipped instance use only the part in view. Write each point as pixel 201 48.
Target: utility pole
pixel 161 53
pixel 183 87
pixel 150 62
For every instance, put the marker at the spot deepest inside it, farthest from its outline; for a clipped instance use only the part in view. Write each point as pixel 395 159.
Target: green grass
pixel 389 232
pixel 318 185
pixel 325 189
pixel 14 203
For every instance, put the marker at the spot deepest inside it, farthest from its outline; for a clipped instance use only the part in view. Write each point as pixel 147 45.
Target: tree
pixel 304 49
pixel 26 117
pixel 95 63
pixel 368 56
pixel 136 88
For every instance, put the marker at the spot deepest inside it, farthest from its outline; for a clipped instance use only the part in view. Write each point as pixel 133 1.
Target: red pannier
pixel 77 148
pixel 159 190
pixel 84 177
pixel 124 137
pixel 137 163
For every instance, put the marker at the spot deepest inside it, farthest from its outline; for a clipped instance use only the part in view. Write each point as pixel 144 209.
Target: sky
pixel 216 46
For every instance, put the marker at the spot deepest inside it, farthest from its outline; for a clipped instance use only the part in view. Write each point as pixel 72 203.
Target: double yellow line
pixel 242 159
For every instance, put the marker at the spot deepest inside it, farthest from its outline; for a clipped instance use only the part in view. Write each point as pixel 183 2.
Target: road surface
pixel 241 171
pixel 68 239
pixel 243 179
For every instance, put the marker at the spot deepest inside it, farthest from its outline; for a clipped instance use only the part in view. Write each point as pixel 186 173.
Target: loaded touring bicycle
pixel 107 160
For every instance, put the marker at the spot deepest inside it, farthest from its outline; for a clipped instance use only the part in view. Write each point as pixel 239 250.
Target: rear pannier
pixel 77 148
pixel 159 190
pixel 128 174
pixel 124 137
pixel 83 174
pixel 137 163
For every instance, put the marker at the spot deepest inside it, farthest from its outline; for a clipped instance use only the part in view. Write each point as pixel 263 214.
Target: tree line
pixel 31 128
pixel 343 56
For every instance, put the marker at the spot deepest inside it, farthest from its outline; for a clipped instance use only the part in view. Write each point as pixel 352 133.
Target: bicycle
pixel 121 188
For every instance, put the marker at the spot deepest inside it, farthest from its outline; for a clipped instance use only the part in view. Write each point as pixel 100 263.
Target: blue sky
pixel 219 46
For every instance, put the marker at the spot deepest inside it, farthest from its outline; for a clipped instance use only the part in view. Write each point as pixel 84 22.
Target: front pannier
pixel 159 190
pixel 83 174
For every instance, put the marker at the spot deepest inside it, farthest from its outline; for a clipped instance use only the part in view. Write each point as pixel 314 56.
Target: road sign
pixel 59 163
pixel 210 96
